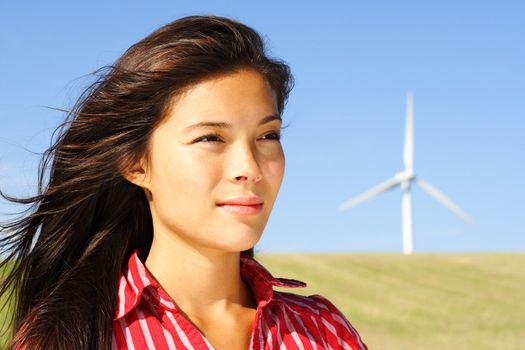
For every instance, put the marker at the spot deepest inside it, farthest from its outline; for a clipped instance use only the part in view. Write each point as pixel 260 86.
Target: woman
pixel 161 182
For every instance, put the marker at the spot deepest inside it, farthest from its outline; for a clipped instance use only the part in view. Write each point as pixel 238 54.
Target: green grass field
pixel 425 301
pixel 430 301
pixel 4 317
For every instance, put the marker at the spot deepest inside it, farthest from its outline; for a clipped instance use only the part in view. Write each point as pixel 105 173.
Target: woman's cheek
pixel 276 166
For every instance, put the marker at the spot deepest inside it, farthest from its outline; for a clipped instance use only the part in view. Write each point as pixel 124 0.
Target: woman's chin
pixel 242 242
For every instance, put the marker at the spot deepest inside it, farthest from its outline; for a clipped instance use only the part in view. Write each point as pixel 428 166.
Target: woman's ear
pixel 136 172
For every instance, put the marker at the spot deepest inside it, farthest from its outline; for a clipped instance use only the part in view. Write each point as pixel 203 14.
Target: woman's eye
pixel 208 138
pixel 273 136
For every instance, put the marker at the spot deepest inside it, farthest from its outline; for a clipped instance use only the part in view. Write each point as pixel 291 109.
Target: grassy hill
pixel 4 315
pixel 425 301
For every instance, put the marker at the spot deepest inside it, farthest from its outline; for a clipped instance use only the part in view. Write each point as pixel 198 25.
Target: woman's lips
pixel 248 200
pixel 249 205
pixel 242 209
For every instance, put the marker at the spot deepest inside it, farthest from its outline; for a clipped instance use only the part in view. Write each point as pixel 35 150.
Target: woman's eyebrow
pixel 224 125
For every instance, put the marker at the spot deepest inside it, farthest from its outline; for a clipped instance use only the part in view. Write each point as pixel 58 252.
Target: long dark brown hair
pixel 66 250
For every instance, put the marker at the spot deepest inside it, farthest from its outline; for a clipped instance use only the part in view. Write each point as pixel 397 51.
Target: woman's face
pixel 220 142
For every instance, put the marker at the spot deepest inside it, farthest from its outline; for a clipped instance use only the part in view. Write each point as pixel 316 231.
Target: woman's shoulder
pixel 326 317
pixel 313 304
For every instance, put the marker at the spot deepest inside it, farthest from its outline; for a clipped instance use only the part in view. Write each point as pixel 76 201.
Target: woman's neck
pixel 201 282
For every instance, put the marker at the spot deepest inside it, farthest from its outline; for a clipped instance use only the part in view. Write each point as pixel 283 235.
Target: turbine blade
pixel 374 191
pixel 408 153
pixel 440 197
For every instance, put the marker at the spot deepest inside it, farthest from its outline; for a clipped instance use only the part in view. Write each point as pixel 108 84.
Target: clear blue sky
pixel 353 63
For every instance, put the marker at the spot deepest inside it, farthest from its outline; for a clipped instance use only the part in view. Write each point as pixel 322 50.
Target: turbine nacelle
pixel 407 175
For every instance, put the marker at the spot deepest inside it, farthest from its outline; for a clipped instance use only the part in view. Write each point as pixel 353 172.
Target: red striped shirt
pixel 147 318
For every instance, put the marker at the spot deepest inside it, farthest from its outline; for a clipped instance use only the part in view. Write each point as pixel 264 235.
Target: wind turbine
pixel 405 179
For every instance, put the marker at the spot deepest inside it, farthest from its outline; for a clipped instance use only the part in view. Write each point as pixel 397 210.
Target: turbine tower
pixel 405 179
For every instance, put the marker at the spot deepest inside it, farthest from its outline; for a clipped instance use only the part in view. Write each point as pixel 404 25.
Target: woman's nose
pixel 246 167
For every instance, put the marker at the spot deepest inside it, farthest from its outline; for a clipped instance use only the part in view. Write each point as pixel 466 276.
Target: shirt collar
pixel 135 279
pixel 261 280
